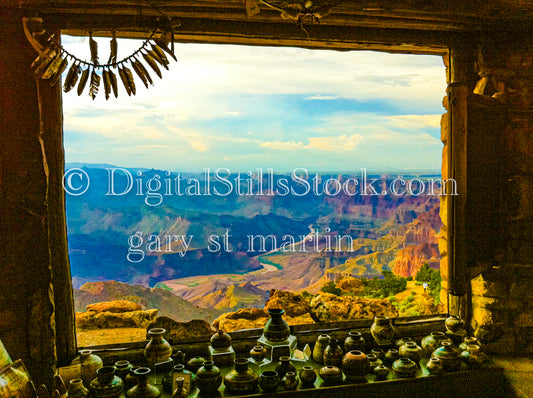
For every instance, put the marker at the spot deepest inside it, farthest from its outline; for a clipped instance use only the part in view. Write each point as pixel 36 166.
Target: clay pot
pixel 381 372
pixel 290 381
pixel 434 366
pixel 330 375
pixel 122 369
pixel 131 379
pixel 258 353
pixel 220 341
pixel 448 356
pixel 354 342
pixel 454 324
pixel 390 356
pixel 241 379
pixel 411 350
pixel 472 356
pixel 195 363
pixel 167 380
pixel 143 389
pixel 269 381
pixel 158 349
pixel 378 352
pixel 355 365
pixel 76 389
pixel 180 391
pixel 276 329
pixel 431 342
pixel 320 345
pixel 208 378
pixel 398 343
pixel 333 354
pixel 404 367
pixel 284 365
pixel 468 341
pixel 382 330
pixel 89 364
pixel 106 384
pixel 373 361
pixel 308 376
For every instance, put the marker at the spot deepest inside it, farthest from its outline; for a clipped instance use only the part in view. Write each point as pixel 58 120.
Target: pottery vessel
pixel 195 363
pixel 290 381
pixel 382 330
pixel 143 389
pixel 401 341
pixel 106 384
pixel 122 369
pixel 276 329
pixel 308 376
pixel 333 354
pixel 131 380
pixel 448 356
pixel 468 340
pixel 258 353
pixel 454 324
pixel 373 361
pixel 355 364
pixel 208 378
pixel 404 367
pixel 269 381
pixel 472 356
pixel 180 391
pixel 220 341
pixel 381 372
pixel 354 342
pixel 378 352
pixel 241 379
pixel 320 345
pixel 434 366
pixel 411 350
pixel 89 363
pixel 431 342
pixel 330 374
pixel 158 349
pixel 284 365
pixel 76 389
pixel 390 356
pixel 169 377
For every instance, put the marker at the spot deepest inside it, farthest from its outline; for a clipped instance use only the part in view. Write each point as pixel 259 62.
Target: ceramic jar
pixel 434 366
pixel 258 353
pixel 382 330
pixel 355 365
pixel 398 343
pixel 195 363
pixel 411 350
pixel 290 381
pixel 168 379
pixel 269 381
pixel 130 379
pixel 354 342
pixel 472 356
pixel 276 329
pixel 308 376
pixel 381 372
pixel 241 379
pixel 320 345
pixel 378 352
pixel 76 389
pixel 404 367
pixel 390 356
pixel 106 384
pixel 454 324
pixel 468 341
pixel 448 356
pixel 89 364
pixel 208 378
pixel 284 365
pixel 143 389
pixel 330 374
pixel 180 391
pixel 158 349
pixel 431 342
pixel 333 354
pixel 122 369
pixel 373 361
pixel 220 341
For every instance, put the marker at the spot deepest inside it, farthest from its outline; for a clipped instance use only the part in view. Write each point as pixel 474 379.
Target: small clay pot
pixel 333 354
pixel 381 372
pixel 241 379
pixel 158 349
pixel 434 366
pixel 330 375
pixel 258 353
pixel 269 381
pixel 390 356
pixel 411 350
pixel 405 367
pixel 454 324
pixel 290 381
pixel 106 384
pixel 220 341
pixel 195 363
pixel 355 365
pixel 431 342
pixel 276 329
pixel 373 361
pixel 382 330
pixel 468 340
pixel 122 369
pixel 448 356
pixel 320 345
pixel 378 352
pixel 308 376
pixel 354 342
pixel 284 365
pixel 208 378
pixel 76 389
pixel 144 389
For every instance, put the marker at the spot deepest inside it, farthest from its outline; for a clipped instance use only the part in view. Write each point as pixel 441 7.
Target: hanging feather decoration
pixel 95 83
pixel 83 81
pixel 72 77
pixel 113 46
pixel 113 80
pixel 124 79
pixel 57 75
pixel 150 61
pixel 94 49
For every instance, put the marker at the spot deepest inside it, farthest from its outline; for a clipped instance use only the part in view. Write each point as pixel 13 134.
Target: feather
pixel 107 83
pixel 52 67
pixel 59 384
pixel 83 81
pixel 113 48
pixel 155 56
pixel 160 53
pixel 42 392
pixel 124 79
pixel 55 78
pixel 94 49
pixel 139 72
pixel 131 82
pixel 72 77
pixel 95 83
pixel 143 70
pixel 164 46
pixel 113 81
pixel 42 62
pixel 150 61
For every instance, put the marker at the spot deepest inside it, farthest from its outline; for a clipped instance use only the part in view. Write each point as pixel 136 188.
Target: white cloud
pixel 340 143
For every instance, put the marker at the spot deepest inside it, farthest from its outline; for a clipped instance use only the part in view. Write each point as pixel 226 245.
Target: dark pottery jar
pixel 472 356
pixel 320 345
pixel 284 365
pixel 454 324
pixel 378 352
pixel 258 353
pixel 330 375
pixel 89 364
pixel 269 381
pixel 308 376
pixel 180 391
pixel 448 356
pixel 381 372
pixel 122 369
pixel 241 379
pixel 106 384
pixel 404 367
pixel 220 341
pixel 76 389
pixel 208 377
pixel 158 349
pixel 290 381
pixel 373 361
pixel 391 355
pixel 468 340
pixel 434 366
pixel 276 329
pixel 401 341
pixel 178 357
pixel 195 363
pixel 431 342
pixel 168 379
pixel 382 330
pixel 411 350
pixel 143 389
pixel 354 342
pixel 355 365
pixel 333 354
pixel 131 380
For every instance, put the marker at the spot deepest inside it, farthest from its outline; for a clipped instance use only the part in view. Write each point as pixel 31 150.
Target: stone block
pixel 444 163
pixel 443 211
pixel 444 267
pixel 444 127
pixel 442 238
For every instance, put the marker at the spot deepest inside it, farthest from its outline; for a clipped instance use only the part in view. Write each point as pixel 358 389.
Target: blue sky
pixel 245 107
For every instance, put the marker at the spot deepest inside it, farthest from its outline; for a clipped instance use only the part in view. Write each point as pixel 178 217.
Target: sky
pixel 245 107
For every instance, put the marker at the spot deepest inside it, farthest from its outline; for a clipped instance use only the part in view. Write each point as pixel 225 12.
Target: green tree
pixel 330 287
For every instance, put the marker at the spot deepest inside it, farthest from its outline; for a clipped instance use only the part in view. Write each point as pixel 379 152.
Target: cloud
pixel 340 143
pixel 321 97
